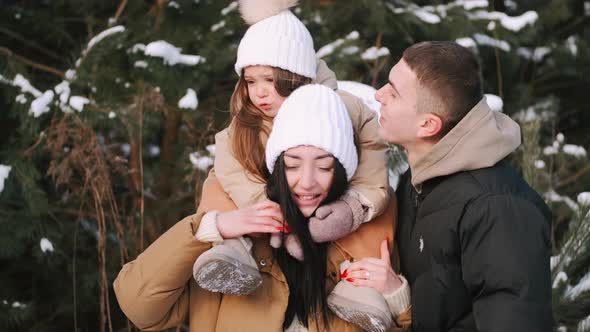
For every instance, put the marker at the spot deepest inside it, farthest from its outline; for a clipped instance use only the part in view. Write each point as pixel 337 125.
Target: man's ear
pixel 430 125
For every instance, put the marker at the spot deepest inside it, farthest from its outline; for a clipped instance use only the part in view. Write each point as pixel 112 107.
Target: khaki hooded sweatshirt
pixel 481 139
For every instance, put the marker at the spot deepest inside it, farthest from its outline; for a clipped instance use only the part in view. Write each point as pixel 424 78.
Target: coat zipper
pixel 417 200
pixel 415 214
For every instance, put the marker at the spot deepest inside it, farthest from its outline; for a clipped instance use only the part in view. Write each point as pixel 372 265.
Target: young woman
pixel 276 56
pixel 310 156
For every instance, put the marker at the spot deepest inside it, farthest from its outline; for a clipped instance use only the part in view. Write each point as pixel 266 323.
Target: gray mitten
pixel 293 247
pixel 276 240
pixel 337 219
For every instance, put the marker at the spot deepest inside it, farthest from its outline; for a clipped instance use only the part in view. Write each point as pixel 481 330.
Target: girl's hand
pixel 264 217
pixel 376 273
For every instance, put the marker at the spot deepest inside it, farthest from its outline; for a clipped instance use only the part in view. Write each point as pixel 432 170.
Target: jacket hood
pixel 325 76
pixel 481 139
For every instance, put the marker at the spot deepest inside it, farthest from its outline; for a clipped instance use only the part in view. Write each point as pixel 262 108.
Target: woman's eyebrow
pixel 327 155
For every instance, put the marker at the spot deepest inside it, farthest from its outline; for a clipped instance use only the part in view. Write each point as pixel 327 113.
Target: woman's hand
pixel 264 217
pixel 376 273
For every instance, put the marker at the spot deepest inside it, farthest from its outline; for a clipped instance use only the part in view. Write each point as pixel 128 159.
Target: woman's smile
pixel 307 199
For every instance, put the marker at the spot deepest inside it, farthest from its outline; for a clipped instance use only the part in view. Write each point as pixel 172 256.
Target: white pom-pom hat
pixel 275 38
pixel 313 115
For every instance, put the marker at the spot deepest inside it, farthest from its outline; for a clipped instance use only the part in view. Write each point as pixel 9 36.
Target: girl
pixel 313 155
pixel 275 56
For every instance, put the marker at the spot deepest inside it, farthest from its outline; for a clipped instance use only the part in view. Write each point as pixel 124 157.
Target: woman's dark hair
pixel 307 279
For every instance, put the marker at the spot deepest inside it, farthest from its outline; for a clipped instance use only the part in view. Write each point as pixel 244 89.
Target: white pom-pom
pixel 257 10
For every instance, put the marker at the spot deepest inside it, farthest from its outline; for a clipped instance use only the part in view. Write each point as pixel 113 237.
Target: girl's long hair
pixel 247 121
pixel 307 279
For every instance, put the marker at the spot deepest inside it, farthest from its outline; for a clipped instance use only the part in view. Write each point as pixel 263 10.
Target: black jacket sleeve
pixel 505 264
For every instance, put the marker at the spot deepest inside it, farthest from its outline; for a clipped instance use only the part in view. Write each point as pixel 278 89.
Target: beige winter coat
pixel 370 181
pixel 157 291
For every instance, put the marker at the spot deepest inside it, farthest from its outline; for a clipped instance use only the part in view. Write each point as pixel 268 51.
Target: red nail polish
pixel 344 274
pixel 349 279
pixel 279 228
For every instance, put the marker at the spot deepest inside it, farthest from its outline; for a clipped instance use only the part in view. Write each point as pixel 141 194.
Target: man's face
pixel 398 98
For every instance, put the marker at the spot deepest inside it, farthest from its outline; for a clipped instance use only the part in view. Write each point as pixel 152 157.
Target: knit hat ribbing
pixel 280 40
pixel 313 115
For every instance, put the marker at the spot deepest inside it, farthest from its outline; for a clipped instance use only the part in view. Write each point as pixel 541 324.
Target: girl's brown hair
pixel 247 121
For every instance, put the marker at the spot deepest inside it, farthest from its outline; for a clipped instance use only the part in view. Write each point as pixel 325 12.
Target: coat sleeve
pixel 153 289
pixel 242 187
pixel 403 321
pixel 370 181
pixel 505 264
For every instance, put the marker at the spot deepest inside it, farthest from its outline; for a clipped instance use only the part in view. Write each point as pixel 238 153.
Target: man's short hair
pixel 452 74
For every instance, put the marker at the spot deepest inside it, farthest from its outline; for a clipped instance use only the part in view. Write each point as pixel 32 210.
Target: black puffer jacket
pixel 474 247
pixel 474 242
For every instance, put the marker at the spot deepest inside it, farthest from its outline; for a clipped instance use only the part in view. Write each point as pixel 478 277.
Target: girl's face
pixel 261 89
pixel 309 172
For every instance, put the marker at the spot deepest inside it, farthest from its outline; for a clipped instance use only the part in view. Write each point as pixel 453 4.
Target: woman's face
pixel 261 89
pixel 309 172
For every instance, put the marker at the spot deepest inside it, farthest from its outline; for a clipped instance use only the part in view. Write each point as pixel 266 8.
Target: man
pixel 473 237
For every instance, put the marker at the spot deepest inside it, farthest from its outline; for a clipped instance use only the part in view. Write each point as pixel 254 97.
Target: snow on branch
pixel 25 85
pixel 584 198
pixel 574 150
pixel 425 14
pixel 41 104
pixel 218 26
pixel 537 54
pixel 552 196
pixel 46 245
pixel 201 162
pixel 466 42
pixel 363 91
pixel 189 100
pixel 373 53
pixel 102 35
pixel 482 39
pixel 512 23
pixel 71 73
pixel 584 325
pixel 434 14
pixel 582 286
pixel 4 172
pixel 230 8
pixel 170 53
pixel 331 47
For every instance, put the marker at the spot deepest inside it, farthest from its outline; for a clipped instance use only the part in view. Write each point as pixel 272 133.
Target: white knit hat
pixel 313 115
pixel 275 38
